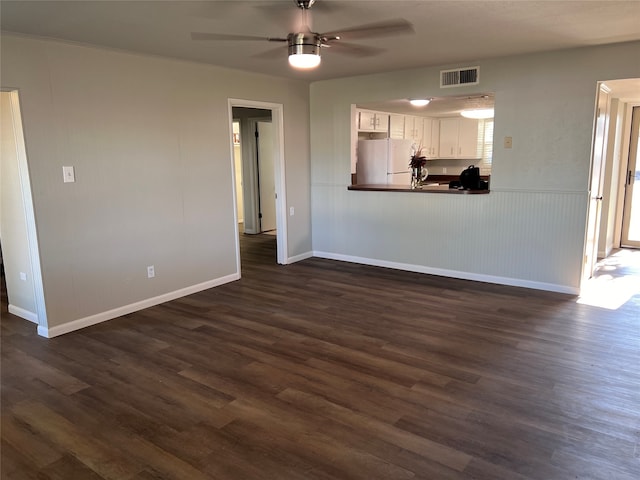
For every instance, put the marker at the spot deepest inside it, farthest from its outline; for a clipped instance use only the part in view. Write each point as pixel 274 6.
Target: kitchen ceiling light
pixel 478 113
pixel 304 50
pixel 419 102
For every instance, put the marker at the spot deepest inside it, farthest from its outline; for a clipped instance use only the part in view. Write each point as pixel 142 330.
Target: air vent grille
pixel 459 77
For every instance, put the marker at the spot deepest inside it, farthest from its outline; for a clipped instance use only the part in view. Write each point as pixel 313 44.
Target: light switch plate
pixel 508 142
pixel 68 174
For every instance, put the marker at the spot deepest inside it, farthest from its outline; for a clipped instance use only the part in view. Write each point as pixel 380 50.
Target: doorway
pixel 614 167
pixel 20 257
pixel 631 209
pixel 263 196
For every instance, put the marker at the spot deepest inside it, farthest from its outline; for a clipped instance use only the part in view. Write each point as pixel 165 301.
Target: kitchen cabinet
pixel 413 127
pixel 369 121
pixel 396 126
pixel 458 138
pixel 431 137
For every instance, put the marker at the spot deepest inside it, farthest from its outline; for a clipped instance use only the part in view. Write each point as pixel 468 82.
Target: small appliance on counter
pixel 470 179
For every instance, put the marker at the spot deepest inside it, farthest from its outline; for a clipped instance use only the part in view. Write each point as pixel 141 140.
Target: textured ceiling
pixel 446 32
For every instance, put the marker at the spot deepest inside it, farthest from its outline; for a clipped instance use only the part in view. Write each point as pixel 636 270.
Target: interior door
pixel 596 187
pixel 631 215
pixel 266 176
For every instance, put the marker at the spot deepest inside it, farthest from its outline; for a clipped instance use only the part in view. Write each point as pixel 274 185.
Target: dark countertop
pixel 427 188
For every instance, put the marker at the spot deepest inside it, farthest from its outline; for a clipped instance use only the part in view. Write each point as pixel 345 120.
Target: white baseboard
pixel 298 258
pixel 513 282
pixel 22 313
pixel 133 307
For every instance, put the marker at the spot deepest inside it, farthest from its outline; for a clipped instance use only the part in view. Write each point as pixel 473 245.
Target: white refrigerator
pixel 384 161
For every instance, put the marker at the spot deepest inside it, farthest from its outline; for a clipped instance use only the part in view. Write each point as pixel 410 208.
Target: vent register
pixel 459 77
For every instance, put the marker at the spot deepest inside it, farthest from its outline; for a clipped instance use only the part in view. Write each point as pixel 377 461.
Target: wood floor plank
pixel 327 370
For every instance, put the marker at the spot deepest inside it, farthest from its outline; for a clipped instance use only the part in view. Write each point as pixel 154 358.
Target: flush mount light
pixel 304 50
pixel 419 102
pixel 478 113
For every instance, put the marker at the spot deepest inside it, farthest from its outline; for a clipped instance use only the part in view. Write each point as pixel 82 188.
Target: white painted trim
pixel 133 307
pixel 277 119
pixel 22 313
pixel 298 258
pixel 513 282
pixel 30 219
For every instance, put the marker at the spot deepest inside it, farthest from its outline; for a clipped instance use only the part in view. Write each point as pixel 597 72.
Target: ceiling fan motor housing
pixel 304 4
pixel 304 43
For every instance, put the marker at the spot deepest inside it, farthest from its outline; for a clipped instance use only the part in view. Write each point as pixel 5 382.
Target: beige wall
pixel 13 227
pixel 150 142
pixel 530 229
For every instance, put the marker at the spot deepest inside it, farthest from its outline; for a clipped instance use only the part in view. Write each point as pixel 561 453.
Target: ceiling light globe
pixel 304 61
pixel 478 113
pixel 419 102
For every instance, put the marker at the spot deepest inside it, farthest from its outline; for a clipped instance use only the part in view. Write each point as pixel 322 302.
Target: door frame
pixel 279 171
pixel 29 214
pixel 596 182
pixel 633 146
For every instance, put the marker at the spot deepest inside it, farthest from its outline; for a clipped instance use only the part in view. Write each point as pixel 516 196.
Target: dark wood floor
pixel 329 370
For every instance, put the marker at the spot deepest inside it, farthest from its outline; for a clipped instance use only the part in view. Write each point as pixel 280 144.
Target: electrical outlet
pixel 151 271
pixel 292 211
pixel 23 276
pixel 444 170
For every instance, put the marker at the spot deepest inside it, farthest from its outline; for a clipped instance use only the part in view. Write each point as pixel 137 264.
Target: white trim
pixel 277 119
pixel 298 258
pixel 30 220
pixel 513 282
pixel 22 313
pixel 133 307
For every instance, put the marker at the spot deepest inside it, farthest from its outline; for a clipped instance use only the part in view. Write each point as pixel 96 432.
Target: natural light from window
pixel 615 282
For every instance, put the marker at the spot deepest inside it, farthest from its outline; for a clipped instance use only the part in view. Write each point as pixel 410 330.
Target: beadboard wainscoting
pixel 523 238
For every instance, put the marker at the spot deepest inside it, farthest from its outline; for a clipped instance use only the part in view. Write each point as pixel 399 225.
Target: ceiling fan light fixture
pixel 478 113
pixel 419 102
pixel 304 61
pixel 304 50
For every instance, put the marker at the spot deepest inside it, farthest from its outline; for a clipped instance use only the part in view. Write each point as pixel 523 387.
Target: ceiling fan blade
pixel 378 29
pixel 353 49
pixel 274 53
pixel 224 36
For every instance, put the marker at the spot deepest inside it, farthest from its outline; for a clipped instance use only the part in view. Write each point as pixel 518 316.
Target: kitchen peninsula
pixel 434 184
pixel 427 188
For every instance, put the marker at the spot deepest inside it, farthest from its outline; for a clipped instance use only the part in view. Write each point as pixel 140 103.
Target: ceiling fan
pixel 304 46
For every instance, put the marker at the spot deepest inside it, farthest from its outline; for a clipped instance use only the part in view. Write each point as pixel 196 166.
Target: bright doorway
pixel 631 213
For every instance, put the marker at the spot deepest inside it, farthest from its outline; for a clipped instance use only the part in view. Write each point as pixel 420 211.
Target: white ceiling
pixel 446 32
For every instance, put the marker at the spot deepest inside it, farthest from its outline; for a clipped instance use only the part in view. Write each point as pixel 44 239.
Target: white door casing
pixel 279 173
pixel 596 187
pixel 631 214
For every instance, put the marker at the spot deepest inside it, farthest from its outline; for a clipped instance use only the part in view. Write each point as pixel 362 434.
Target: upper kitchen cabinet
pixel 396 126
pixel 369 121
pixel 458 138
pixel 431 137
pixel 413 128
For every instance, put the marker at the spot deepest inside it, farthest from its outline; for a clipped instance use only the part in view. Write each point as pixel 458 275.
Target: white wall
pixel 150 142
pixel 530 229
pixel 13 227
